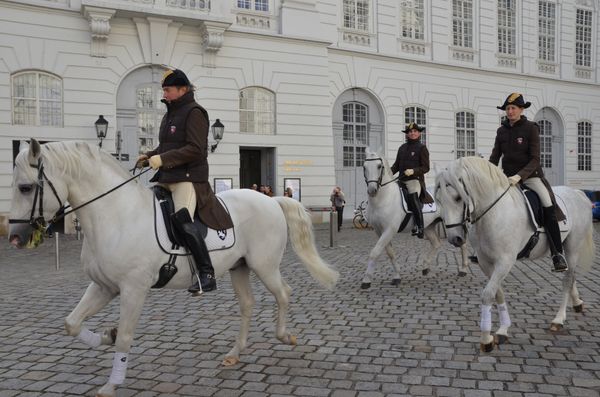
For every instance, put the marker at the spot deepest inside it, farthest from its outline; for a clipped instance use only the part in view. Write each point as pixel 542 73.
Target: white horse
pixel 120 253
pixel 475 194
pixel 385 215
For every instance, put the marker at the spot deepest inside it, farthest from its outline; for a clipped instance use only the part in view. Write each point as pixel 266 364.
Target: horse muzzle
pixel 372 189
pixel 24 236
pixel 457 241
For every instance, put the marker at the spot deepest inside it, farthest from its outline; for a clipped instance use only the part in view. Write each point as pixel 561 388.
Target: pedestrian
pixel 181 161
pixel 518 144
pixel 254 186
pixel 412 162
pixel 338 201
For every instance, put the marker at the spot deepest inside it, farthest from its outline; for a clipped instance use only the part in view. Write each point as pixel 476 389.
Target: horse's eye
pixel 25 188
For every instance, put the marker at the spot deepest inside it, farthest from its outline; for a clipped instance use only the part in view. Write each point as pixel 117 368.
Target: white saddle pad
pixel 215 239
pixel 427 208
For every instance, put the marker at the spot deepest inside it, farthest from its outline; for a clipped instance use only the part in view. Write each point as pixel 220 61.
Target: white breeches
pixel 538 186
pixel 413 186
pixel 184 196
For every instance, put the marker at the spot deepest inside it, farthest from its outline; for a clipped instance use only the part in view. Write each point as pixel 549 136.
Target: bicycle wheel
pixel 364 223
pixel 358 221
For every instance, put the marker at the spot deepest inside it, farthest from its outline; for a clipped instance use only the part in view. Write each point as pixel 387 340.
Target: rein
pixel 467 214
pixel 39 222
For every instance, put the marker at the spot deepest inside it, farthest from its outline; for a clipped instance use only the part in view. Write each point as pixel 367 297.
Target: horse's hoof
pixel 292 340
pixel 578 308
pixel 486 347
pixel 425 272
pixel 365 286
pixel 396 281
pixel 229 361
pixel 555 327
pixel 462 274
pixel 500 339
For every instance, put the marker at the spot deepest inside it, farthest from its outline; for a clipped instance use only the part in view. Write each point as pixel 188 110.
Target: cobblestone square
pixel 419 339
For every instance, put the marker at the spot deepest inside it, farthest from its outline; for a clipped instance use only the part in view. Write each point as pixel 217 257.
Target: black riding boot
pixel 414 204
pixel 197 246
pixel 554 239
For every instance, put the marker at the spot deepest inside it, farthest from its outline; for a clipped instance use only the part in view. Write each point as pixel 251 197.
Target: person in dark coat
pixel 412 161
pixel 181 161
pixel 518 143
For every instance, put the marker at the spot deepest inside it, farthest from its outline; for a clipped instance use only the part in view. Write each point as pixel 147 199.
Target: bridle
pixel 380 178
pixel 39 223
pixel 467 214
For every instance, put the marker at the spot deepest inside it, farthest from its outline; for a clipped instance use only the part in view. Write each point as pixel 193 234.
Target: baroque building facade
pixel 303 87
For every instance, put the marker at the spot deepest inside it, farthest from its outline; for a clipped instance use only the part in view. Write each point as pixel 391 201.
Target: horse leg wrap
pixel 486 318
pixel 90 338
pixel 504 317
pixel 117 376
pixel 371 267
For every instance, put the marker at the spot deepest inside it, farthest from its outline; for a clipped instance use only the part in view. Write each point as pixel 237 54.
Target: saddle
pixel 167 235
pixel 536 217
pixel 427 208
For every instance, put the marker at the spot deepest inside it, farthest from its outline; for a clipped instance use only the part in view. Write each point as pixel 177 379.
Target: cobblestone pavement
pixel 420 338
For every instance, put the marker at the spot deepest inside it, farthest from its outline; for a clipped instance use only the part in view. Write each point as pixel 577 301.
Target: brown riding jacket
pixel 183 149
pixel 413 155
pixel 519 147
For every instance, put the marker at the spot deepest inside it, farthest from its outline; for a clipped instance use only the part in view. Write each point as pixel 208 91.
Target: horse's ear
pixel 34 152
pixel 23 145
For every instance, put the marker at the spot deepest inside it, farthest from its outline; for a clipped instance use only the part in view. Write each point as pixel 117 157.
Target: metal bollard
pixel 57 251
pixel 332 228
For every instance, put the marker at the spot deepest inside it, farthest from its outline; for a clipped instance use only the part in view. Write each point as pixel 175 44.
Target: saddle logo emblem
pixel 173 129
pixel 519 140
pixel 222 234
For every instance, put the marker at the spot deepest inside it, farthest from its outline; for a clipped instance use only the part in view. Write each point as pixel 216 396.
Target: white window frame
pixel 468 133
pixel 352 147
pixel 411 115
pixel 547 32
pixel 583 58
pixel 507 32
pixel 252 5
pixel 157 112
pixel 415 11
pixel 355 20
pixel 545 143
pixel 460 24
pixel 584 145
pixel 263 121
pixel 38 74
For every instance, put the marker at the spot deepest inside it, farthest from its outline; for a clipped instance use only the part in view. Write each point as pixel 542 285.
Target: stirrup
pixel 559 263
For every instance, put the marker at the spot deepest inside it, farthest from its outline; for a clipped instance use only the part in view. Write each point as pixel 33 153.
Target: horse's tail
pixel 303 242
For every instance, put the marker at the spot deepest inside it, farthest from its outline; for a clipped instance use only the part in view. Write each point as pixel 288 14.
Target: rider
pixel 518 143
pixel 412 161
pixel 181 158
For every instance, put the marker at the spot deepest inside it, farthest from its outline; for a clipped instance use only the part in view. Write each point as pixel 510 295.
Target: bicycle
pixel 360 221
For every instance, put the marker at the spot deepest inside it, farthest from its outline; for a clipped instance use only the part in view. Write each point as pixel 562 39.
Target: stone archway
pixel 552 145
pixel 358 123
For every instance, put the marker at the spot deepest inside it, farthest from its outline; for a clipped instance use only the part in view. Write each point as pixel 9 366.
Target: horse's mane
pixel 72 158
pixel 478 176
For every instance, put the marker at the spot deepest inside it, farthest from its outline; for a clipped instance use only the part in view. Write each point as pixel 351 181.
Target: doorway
pixel 257 165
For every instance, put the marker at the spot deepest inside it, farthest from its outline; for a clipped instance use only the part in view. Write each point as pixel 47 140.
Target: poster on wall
pixel 292 188
pixel 223 184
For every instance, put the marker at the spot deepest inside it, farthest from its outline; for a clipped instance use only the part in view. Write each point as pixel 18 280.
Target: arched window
pixel 465 134
pixel 257 110
pixel 545 143
pixel 584 146
pixel 415 114
pixel 37 99
pixel 149 111
pixel 355 136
